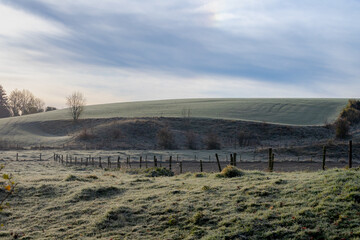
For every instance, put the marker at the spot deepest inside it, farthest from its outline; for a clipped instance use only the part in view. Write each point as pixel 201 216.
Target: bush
pixel 191 140
pixel 351 112
pixel 212 142
pixel 158 172
pixel 165 138
pixel 230 172
pixel 85 134
pixel 342 128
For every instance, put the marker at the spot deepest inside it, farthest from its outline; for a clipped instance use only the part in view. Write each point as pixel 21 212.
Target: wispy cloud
pixel 273 48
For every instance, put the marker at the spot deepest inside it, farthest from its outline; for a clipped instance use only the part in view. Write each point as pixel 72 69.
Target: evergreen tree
pixel 4 106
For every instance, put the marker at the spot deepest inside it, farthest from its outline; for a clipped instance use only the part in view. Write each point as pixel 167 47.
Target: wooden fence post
pixel 100 165
pixel 170 160
pixel 272 163
pixel 324 158
pixel 109 163
pixel 181 167
pixel 231 160
pixel 146 163
pixel 17 156
pixel 234 159
pixel 350 154
pixel 201 166
pixel 140 161
pixel 81 161
pixel 93 162
pixel 54 157
pixel 155 161
pixel 75 160
pixel 218 162
pixel 87 161
pixel 270 157
pixel 118 162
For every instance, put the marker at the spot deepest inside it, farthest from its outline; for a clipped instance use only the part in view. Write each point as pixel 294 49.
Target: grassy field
pixel 56 202
pixel 49 127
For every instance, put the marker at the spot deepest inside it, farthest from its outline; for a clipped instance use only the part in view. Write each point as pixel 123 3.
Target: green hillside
pixel 281 111
pixel 37 129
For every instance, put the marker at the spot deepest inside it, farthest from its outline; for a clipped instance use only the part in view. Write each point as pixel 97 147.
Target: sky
pixel 116 50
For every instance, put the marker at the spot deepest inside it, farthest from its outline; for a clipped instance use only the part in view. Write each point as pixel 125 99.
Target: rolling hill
pixel 299 112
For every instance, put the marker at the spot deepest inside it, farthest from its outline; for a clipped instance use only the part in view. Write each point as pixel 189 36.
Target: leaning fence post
pixel 201 166
pixel 350 154
pixel 218 162
pixel 324 158
pixel 270 157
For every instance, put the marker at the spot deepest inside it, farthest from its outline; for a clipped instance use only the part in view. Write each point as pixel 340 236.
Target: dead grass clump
pixel 87 194
pixel 165 138
pixel 158 172
pixel 117 218
pixel 230 172
pixel 212 142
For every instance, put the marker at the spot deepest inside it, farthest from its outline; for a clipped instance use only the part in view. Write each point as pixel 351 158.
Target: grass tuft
pixel 230 172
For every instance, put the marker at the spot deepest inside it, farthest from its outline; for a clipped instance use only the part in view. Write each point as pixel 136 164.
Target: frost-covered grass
pixel 310 111
pixel 55 202
pixel 55 128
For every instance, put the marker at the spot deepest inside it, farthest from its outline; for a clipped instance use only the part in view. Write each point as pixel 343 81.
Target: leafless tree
pixel 76 103
pixel 23 102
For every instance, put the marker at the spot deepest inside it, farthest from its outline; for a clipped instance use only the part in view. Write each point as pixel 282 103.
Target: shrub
pixel 212 142
pixel 230 172
pixel 165 138
pixel 351 112
pixel 158 172
pixel 191 140
pixel 246 139
pixel 85 134
pixel 342 128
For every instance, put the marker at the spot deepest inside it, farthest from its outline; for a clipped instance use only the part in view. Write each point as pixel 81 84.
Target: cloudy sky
pixel 115 50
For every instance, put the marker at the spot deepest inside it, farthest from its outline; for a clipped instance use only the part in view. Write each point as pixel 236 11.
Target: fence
pixel 208 165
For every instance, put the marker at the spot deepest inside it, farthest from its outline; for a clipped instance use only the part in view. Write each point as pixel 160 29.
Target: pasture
pixel 54 201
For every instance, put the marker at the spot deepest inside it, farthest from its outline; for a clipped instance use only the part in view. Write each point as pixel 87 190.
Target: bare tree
pixel 23 102
pixel 76 102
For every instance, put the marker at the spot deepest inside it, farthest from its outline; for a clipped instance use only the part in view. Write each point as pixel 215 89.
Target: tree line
pixel 20 102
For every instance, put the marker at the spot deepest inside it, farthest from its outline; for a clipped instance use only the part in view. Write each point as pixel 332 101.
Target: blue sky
pixel 113 50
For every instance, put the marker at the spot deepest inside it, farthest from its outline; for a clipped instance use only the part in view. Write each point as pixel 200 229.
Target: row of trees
pixel 20 102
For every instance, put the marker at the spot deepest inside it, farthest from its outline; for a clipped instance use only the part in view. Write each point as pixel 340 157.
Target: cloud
pixel 273 48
